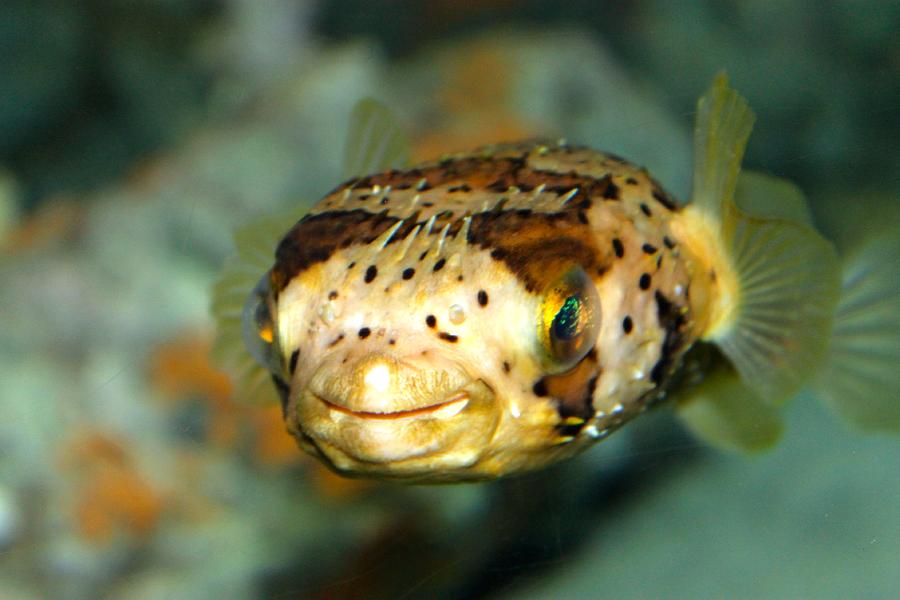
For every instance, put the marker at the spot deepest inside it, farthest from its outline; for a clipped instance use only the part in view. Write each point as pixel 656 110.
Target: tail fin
pixel 861 377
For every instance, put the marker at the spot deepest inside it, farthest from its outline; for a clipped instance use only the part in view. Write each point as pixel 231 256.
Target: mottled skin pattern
pixel 407 309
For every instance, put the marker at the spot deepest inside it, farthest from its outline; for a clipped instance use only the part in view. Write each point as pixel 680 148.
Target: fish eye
pixel 570 320
pixel 258 327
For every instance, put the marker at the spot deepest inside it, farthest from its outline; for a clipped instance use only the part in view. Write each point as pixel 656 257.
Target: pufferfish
pixel 496 311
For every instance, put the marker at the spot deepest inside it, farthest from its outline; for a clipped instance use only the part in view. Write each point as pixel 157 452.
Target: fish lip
pixel 453 404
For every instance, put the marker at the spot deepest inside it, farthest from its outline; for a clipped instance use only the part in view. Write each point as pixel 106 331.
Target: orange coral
pixel 475 97
pixel 180 368
pixel 53 222
pixel 273 446
pixel 111 495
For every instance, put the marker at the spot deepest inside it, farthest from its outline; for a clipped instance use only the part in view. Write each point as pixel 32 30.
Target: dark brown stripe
pixel 316 237
pixel 536 247
pixel 672 321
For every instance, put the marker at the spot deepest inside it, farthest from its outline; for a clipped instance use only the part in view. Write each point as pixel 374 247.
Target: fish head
pixel 425 358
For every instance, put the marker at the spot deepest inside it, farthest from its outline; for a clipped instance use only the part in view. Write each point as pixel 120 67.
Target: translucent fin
pixel 727 414
pixel 861 378
pixel 255 245
pixel 724 122
pixel 778 279
pixel 789 285
pixel 376 141
pixel 772 197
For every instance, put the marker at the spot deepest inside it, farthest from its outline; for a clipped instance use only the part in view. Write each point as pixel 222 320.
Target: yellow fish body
pixel 496 311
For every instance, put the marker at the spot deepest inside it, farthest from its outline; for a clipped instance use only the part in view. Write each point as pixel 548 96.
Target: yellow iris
pixel 569 320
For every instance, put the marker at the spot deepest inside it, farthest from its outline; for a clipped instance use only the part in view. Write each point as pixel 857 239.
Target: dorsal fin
pixel 723 126
pixel 376 140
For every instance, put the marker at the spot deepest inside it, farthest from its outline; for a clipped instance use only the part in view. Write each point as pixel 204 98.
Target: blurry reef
pixel 135 137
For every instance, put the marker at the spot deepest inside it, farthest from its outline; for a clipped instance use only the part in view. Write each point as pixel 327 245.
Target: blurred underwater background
pixel 135 136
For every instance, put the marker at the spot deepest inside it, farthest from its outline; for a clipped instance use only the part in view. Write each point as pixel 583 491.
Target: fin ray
pixel 724 122
pixel 861 378
pixel 376 140
pixel 781 280
pixel 789 286
pixel 255 250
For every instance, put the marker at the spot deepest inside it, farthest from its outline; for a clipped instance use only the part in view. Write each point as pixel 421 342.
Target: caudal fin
pixel 861 377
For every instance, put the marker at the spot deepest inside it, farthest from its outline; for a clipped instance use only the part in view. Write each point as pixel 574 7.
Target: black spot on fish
pixel 336 340
pixel 631 181
pixel 371 273
pixel 668 242
pixel 332 295
pixel 540 388
pixel 439 265
pixel 408 273
pixel 618 248
pixel 431 321
pixel 644 281
pixel 482 298
pixel 646 210
pixel 292 365
pixel 506 367
pixel 627 324
pixel 671 320
pixel 663 199
pixel 611 192
pixel 448 337
pixel 648 249
pixel 364 333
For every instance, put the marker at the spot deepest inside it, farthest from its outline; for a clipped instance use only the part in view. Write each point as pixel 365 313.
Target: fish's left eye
pixel 570 320
pixel 258 328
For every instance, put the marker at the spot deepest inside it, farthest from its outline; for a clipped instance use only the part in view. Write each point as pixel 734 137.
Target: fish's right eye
pixel 258 328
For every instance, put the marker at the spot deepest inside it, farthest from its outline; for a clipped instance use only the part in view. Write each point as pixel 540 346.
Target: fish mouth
pixel 449 432
pixel 445 409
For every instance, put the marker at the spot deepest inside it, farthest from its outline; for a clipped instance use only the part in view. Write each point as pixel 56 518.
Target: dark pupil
pixel 565 323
